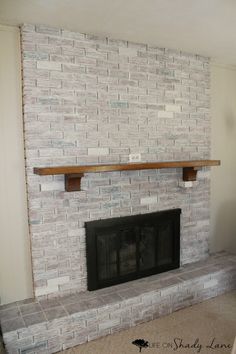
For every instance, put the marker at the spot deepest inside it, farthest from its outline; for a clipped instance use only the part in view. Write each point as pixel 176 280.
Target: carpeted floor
pixel 213 320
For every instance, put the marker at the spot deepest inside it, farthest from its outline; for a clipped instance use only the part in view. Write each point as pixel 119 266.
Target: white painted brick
pixel 148 200
pixel 187 184
pixel 109 324
pixel 129 52
pixel 48 30
pixel 40 291
pixel 173 108
pixel 49 65
pixel 98 151
pixel 53 186
pixel 58 281
pixel 164 114
pixel 210 283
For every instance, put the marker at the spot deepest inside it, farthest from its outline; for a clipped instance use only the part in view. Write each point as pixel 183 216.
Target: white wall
pixel 223 183
pixel 15 264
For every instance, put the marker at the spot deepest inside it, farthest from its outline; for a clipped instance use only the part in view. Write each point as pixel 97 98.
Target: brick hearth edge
pixel 50 326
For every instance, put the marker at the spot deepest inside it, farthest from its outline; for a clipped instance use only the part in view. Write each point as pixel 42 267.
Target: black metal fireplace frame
pixel 157 218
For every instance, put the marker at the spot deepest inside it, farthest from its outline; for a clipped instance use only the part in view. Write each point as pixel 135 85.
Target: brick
pixel 47 30
pixel 57 185
pixel 58 281
pixel 148 200
pixel 39 291
pixel 48 65
pixel 49 83
pixel 173 108
pixel 210 283
pixel 98 151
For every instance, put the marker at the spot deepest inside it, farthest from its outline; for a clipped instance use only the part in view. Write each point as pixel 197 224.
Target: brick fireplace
pixel 90 100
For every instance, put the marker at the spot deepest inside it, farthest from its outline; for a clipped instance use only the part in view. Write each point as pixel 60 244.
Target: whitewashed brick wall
pixel 90 100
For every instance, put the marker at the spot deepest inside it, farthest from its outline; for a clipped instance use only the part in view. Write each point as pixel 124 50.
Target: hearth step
pixel 52 325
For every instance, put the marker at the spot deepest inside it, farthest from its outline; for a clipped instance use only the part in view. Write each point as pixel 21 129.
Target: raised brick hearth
pixel 48 326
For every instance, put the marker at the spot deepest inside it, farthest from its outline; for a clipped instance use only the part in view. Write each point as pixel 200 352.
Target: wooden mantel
pixel 73 174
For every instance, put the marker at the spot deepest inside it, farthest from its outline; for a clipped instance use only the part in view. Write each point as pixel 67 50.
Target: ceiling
pixel 206 27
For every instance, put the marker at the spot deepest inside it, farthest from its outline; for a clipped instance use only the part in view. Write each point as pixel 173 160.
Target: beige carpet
pixel 215 318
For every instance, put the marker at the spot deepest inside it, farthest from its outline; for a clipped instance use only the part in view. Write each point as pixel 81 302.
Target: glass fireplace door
pixel 123 249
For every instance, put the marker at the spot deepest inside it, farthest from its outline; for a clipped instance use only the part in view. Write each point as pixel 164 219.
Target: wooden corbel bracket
pixel 73 181
pixel 190 174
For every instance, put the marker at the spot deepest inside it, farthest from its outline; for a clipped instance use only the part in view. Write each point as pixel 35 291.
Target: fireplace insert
pixel 128 248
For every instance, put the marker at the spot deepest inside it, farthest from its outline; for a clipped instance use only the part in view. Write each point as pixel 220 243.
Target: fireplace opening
pixel 132 247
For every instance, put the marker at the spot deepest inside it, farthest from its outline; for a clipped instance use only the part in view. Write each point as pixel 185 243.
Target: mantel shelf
pixel 73 174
